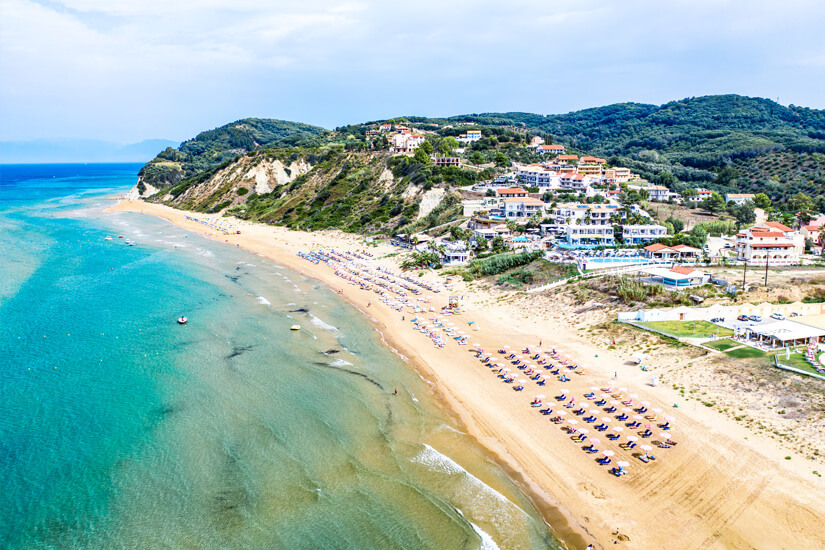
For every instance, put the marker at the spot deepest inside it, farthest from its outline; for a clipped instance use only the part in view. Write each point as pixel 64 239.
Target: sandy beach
pixel 722 486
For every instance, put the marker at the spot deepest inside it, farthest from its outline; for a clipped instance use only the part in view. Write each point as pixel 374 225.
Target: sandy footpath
pixel 720 487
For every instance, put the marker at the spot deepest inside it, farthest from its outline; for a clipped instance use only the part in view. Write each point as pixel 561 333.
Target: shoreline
pixel 710 491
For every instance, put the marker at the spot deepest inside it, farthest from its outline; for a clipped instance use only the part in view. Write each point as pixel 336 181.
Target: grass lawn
pixel 689 329
pixel 798 361
pixel 722 345
pixel 746 352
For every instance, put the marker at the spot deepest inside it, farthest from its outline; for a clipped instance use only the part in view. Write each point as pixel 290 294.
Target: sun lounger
pixel 590 419
pixel 601 402
pixel 665 426
pixel 613 437
pixel 646 433
pixel 611 409
pixel 563 378
pixel 601 427
pixel 622 417
pixel 618 472
pixel 579 412
pixel 604 461
pixel 546 411
pixel 518 388
pixel 664 445
pixel 590 395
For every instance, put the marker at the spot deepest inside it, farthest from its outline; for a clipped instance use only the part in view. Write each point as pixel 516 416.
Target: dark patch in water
pixel 233 278
pixel 331 351
pixel 356 373
pixel 238 350
pixel 299 310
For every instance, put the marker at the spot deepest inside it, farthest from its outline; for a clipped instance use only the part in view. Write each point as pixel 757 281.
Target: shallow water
pixel 120 428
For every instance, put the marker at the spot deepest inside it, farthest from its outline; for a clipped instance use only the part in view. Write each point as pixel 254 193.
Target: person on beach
pixel 396 391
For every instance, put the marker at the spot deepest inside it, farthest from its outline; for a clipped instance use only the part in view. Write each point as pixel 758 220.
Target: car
pixel 794 314
pixel 743 318
pixel 777 316
pixel 755 318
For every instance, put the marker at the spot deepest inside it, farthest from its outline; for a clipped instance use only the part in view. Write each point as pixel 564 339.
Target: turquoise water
pixel 121 429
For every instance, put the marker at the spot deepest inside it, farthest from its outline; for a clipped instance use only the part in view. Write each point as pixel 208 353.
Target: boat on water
pixel 182 320
pixel 295 327
pixel 107 239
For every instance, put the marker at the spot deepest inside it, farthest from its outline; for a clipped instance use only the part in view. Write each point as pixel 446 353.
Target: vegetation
pixel 689 329
pixel 722 345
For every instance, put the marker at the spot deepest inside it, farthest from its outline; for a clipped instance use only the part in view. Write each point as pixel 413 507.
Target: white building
pixel 658 193
pixel 522 208
pixel 638 234
pixel 739 198
pixel 701 195
pixel 553 149
pixel 536 175
pixel 769 243
pixel 575 181
pixel 470 137
pixel 601 235
pixel 455 253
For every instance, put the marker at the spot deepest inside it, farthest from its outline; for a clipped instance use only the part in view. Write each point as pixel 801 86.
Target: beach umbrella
pixel 505 370
pixel 664 435
pixel 608 453
pixel 645 448
pixel 594 441
pixel 604 396
pixel 562 413
pixel 633 396
pixel 622 389
pixel 632 438
pixel 488 354
pixel 499 364
pixel 505 347
pixel 546 376
pixel 572 421
pixel 670 418
pixel 522 381
pixel 606 419
pixel 626 409
pixel 584 405
pixel 623 464
pixel 540 396
pixel 564 390
pixel 583 430
pixel 637 417
pixel 657 411
pixel 614 402
pixel 594 388
pixel 618 429
pixel 519 357
pixel 645 403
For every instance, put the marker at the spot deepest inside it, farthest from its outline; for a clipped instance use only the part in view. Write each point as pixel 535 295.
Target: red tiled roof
pixel 685 248
pixel 767 234
pixel 778 226
pixel 772 245
pixel 552 147
pixel 656 247
pixel 568 157
pixel 683 270
pixel 512 192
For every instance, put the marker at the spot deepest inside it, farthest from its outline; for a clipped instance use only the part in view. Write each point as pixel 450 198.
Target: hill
pixel 215 147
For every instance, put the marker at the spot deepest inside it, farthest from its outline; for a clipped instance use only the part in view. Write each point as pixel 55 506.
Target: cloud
pixel 130 69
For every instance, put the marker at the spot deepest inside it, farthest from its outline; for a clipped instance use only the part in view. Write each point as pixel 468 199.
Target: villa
pixel 557 149
pixel 639 234
pixel 739 198
pixel 769 243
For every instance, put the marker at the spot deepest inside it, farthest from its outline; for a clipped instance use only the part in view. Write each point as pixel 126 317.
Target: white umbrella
pixel 632 438
pixel 594 441
pixel 604 396
pixel 626 409
pixel 564 390
pixel 618 429
pixel 637 417
pixel 606 419
pixel 505 347
pixel 614 402
pixel 546 376
pixel 646 447
pixel 670 418
pixel 540 396
pixel 594 388
pixel 522 381
pixel 584 430
pixel 633 396
pixel 488 354
pixel 645 403
pixel 664 435
pixel 572 421
pixel 622 389
pixel 561 413
pixel 608 453
pixel 657 411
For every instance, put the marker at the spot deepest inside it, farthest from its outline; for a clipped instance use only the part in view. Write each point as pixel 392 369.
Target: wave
pixel 263 301
pixel 320 324
pixel 341 363
pixel 487 542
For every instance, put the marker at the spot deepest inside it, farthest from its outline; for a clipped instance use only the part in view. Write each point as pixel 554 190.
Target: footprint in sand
pixel 594 491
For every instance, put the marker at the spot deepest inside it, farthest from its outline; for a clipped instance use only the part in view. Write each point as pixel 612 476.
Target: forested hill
pixel 212 148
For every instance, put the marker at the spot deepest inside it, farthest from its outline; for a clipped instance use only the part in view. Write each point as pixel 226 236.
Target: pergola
pixel 785 333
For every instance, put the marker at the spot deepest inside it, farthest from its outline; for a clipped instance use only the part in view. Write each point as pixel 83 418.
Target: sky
pixel 128 70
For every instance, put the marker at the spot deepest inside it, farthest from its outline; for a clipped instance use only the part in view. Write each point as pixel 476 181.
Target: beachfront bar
pixel 785 333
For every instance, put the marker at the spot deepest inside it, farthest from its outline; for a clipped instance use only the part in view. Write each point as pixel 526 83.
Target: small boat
pixel 107 239
pixel 295 327
pixel 182 320
pixel 120 236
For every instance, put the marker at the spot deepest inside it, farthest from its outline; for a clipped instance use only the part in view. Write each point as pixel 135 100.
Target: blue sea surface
pixel 120 428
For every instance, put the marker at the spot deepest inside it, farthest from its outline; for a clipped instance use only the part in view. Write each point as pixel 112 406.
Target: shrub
pixel 242 191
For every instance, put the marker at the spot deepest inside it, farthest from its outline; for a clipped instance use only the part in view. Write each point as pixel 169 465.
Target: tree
pixel 726 176
pixel 761 200
pixel 481 243
pixel 427 147
pixel 801 203
pixel 665 178
pixel 421 156
pixel 498 242
pixel 745 214
pixel 447 146
pixel 678 225
pixel 458 233
pixel 476 157
pixel 715 203
pixel 490 193
pixel 502 160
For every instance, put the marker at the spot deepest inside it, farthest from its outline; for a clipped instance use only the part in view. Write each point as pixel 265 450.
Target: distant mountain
pixel 79 150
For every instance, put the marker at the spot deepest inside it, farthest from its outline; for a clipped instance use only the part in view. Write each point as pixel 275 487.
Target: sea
pixel 121 429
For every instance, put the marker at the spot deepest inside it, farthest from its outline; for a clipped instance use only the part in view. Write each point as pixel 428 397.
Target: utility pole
pixel 767 256
pixel 744 273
